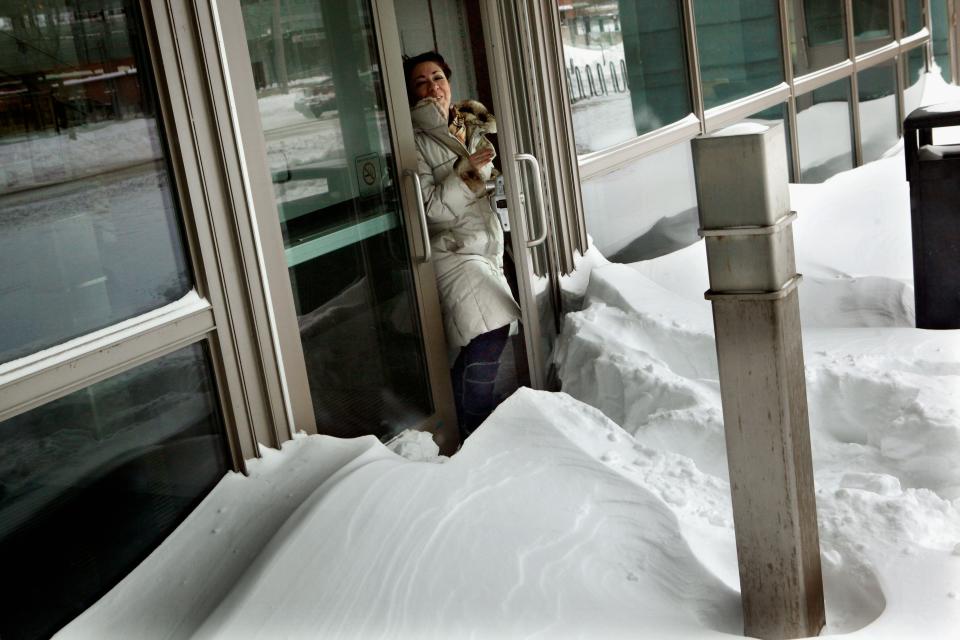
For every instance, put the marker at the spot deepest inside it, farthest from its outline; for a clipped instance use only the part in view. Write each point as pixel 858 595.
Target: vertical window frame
pixel 229 311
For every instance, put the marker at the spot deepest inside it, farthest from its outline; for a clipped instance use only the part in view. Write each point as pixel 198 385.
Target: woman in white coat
pixel 454 163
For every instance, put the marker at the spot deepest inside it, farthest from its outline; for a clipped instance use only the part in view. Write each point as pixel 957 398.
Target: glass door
pixel 539 163
pixel 328 84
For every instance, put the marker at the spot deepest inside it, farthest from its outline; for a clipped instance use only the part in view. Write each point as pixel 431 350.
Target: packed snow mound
pixel 653 372
pixel 550 521
pixel 896 414
pixel 885 430
pixel 881 401
pixel 554 521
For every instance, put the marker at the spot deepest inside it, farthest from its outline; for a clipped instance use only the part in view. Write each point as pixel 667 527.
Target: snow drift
pixel 884 398
pixel 559 519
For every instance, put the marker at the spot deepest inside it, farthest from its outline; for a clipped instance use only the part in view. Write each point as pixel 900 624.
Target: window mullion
pixel 29 382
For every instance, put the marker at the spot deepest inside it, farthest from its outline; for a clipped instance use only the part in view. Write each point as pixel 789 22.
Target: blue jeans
pixel 474 374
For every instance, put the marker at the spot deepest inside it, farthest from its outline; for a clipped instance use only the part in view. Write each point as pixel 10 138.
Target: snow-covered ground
pixel 884 397
pixel 561 519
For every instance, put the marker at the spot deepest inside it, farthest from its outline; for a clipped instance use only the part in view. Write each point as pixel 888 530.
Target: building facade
pixel 211 238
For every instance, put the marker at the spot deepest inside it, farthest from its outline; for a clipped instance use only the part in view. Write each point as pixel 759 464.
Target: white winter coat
pixel 465 234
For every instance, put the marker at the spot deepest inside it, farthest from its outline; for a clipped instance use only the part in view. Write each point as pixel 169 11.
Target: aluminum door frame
pixel 529 64
pixel 258 187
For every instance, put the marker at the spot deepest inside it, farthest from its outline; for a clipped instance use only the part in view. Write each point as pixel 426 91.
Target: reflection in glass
pixel 914 70
pixel 646 209
pixel 322 109
pixel 914 16
pixel 89 231
pixel 739 46
pixel 774 115
pixel 872 24
pixel 626 68
pixel 877 95
pixel 940 38
pixel 824 132
pixel 94 481
pixel 817 33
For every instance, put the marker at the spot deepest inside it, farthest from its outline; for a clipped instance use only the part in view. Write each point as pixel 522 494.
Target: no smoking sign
pixel 368 174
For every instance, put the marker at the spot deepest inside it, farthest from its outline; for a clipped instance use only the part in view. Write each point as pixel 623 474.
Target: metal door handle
pixel 424 232
pixel 538 184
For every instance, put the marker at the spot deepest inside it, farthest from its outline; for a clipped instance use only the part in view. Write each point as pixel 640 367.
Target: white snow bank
pixel 852 243
pixel 551 521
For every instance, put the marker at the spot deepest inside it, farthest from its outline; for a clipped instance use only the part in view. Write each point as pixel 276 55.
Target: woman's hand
pixel 481 158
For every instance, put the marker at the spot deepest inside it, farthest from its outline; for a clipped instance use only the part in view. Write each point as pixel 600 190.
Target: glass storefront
pixel 913 16
pixel 90 231
pixel 645 209
pixel 739 47
pixel 817 34
pixel 877 97
pixel 91 236
pixel 872 24
pixel 626 68
pixel 940 38
pixel 322 108
pixel 739 56
pixel 92 482
pixel 824 132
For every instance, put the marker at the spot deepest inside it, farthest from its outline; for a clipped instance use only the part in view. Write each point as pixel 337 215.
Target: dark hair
pixel 410 63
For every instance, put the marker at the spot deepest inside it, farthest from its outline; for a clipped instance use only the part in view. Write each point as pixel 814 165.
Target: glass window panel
pixel 646 209
pixel 915 67
pixel 824 132
pixel 94 481
pixel 872 24
pixel 739 46
pixel 818 34
pixel 877 97
pixel 628 78
pixel 914 16
pixel 775 115
pixel 940 38
pixel 322 109
pixel 89 230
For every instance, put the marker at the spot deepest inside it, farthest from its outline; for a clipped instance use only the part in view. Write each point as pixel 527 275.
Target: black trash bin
pixel 934 175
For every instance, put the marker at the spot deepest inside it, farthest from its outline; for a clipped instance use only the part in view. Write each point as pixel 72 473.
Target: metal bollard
pixel 746 225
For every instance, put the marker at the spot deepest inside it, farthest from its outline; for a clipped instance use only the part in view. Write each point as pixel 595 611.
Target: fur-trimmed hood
pixel 429 119
pixel 428 116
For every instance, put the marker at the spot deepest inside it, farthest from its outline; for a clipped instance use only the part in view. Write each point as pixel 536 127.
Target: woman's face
pixel 429 81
